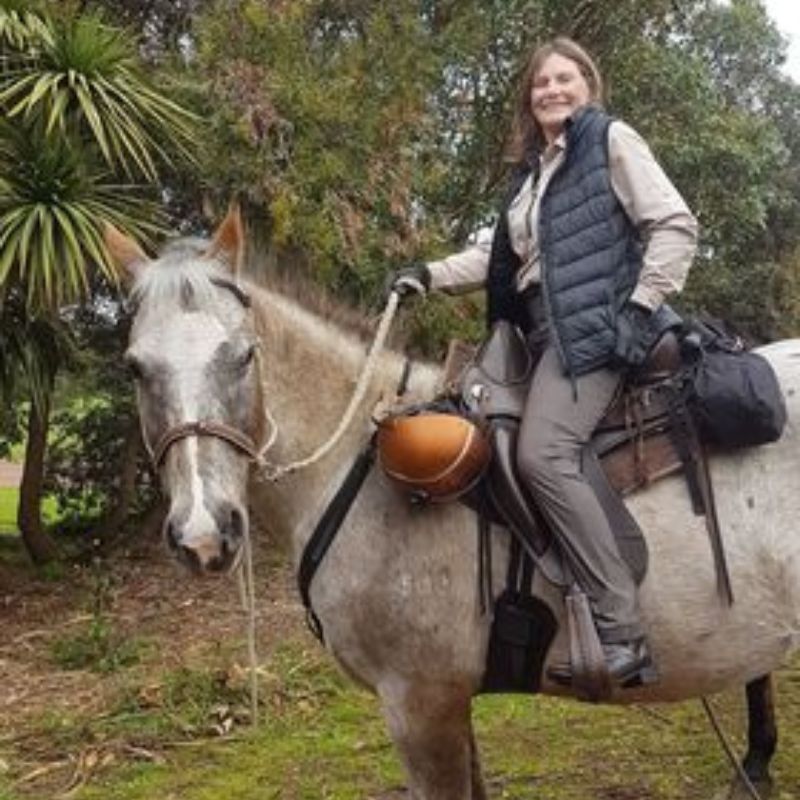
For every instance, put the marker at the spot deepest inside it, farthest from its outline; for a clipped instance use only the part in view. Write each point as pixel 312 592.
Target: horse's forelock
pixel 181 277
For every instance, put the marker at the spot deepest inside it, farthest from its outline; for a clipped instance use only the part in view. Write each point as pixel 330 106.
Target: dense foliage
pixel 366 135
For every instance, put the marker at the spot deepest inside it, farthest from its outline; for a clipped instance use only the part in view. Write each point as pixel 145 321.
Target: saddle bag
pixel 734 395
pixel 432 455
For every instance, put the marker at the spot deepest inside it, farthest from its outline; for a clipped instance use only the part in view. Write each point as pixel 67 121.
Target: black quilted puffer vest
pixel 590 252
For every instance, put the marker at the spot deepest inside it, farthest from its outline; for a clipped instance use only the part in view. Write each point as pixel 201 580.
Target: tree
pixel 85 134
pixel 367 135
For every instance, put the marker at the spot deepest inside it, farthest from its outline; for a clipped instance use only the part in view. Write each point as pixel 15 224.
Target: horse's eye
pixel 247 357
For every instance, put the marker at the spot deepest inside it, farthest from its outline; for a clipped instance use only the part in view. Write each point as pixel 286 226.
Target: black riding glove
pixel 410 281
pixel 636 334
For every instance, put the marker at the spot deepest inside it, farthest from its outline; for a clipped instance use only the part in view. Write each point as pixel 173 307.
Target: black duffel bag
pixel 734 395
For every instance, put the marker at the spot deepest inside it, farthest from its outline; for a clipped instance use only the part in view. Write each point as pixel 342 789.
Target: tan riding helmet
pixel 433 456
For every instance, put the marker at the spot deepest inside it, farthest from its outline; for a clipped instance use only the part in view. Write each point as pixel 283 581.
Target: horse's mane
pixel 184 276
pixel 314 298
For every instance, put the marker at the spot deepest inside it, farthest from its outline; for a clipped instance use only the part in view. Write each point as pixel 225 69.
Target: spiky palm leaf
pixel 20 26
pixel 85 76
pixel 53 203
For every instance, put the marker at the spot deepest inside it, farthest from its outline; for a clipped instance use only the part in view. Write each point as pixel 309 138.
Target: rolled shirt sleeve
pixel 466 270
pixel 667 227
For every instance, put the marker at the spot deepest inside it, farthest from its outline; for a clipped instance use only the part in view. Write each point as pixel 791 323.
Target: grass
pixel 320 737
pixel 98 648
pixel 183 734
pixel 9 497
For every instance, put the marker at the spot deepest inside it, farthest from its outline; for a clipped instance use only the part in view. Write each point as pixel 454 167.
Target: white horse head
pixel 192 351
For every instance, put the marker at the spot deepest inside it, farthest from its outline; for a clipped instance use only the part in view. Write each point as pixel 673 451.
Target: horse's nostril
pixel 190 558
pixel 236 524
pixel 172 536
pixel 220 563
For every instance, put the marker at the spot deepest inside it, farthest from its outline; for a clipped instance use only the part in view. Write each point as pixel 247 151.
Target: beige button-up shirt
pixel 667 227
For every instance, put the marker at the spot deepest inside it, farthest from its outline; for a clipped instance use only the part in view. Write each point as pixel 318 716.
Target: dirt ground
pixel 145 595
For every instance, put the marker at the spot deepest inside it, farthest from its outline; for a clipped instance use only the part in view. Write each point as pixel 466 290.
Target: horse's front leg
pixel 762 732
pixel 430 723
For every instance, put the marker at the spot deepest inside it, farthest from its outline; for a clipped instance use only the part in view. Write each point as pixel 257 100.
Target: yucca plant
pixel 81 132
pixel 21 27
pixel 83 76
pixel 31 350
pixel 53 198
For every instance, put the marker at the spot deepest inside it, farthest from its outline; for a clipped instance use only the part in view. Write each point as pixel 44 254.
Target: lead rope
pixel 728 750
pixel 245 573
pixel 274 472
pixel 247 596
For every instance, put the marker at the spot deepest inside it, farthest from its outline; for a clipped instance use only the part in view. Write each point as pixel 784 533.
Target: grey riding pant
pixel 556 424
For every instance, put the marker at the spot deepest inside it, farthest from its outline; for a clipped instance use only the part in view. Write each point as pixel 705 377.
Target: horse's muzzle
pixel 213 549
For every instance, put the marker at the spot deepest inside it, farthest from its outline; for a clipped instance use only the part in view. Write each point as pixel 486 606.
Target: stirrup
pixel 639 672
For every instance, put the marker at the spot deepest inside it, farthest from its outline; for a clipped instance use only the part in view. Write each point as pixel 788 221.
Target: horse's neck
pixel 311 370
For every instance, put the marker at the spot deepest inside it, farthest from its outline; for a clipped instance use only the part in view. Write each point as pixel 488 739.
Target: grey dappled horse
pixel 397 592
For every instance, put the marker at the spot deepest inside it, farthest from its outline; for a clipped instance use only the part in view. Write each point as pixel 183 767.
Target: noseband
pixel 218 430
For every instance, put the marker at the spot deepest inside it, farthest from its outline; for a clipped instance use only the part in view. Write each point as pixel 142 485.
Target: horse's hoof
pixel 738 791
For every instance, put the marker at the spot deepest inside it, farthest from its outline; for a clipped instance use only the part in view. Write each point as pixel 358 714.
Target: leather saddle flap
pixel 496 383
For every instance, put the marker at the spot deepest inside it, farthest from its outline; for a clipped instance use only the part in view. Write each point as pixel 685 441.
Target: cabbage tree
pixel 84 139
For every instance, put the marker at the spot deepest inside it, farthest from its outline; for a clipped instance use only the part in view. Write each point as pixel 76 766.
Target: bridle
pixel 209 427
pixel 218 430
pixel 244 443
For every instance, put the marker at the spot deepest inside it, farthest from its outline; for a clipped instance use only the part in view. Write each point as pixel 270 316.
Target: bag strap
pixel 327 528
pixel 684 438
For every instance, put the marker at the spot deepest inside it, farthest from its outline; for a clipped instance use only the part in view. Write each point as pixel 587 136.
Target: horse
pixel 219 362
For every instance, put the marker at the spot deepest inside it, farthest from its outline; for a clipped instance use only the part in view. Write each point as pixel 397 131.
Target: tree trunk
pixel 40 546
pixel 108 528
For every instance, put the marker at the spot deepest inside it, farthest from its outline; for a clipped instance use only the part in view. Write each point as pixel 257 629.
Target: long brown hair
pixel 526 134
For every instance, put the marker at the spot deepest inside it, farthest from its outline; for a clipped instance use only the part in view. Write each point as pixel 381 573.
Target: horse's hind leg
pixel 762 733
pixel 431 727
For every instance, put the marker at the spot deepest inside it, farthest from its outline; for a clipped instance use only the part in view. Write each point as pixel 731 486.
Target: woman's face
pixel 559 89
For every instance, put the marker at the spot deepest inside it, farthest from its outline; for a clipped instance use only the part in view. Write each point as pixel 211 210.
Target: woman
pixel 591 238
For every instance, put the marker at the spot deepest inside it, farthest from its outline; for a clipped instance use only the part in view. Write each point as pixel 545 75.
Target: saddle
pixel 642 438
pixel 646 434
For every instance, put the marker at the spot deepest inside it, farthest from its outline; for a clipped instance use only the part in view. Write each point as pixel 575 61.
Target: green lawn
pixel 9 498
pixel 322 738
pixel 8 509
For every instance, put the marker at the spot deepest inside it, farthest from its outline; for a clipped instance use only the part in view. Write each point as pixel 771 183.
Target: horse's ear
pixel 228 242
pixel 125 251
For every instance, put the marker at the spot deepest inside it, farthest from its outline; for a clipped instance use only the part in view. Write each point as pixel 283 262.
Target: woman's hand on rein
pixel 410 281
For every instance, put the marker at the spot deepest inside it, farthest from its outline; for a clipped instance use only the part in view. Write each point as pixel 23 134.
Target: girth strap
pixel 701 491
pixel 219 430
